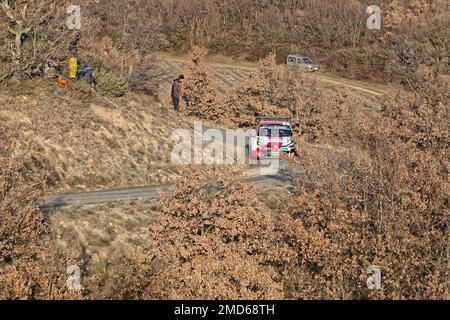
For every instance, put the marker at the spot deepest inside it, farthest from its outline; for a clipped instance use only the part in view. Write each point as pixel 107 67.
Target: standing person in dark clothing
pixel 177 92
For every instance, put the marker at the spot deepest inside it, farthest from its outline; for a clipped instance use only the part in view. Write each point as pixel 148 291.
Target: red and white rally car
pixel 273 135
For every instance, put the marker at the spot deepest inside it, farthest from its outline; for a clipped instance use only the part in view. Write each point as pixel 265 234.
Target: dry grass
pixel 106 232
pixel 90 142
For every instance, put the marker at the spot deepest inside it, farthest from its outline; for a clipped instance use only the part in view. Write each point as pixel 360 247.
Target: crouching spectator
pixel 87 72
pixel 52 69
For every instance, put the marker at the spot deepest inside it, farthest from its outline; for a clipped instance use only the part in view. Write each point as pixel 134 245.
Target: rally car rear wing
pixel 281 119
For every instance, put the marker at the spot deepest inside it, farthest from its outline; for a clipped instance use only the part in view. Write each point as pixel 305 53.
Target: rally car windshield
pixel 276 131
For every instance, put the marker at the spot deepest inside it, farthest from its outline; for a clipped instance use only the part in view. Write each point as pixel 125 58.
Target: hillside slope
pixel 90 141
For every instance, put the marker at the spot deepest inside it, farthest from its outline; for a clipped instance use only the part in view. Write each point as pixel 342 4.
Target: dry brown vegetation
pixel 375 191
pixel 90 142
pixel 373 187
pixel 333 32
pixel 216 240
pixel 112 36
pixel 378 196
pixel 254 97
pixel 30 265
pixel 30 32
pixel 274 90
pixel 199 89
pixel 111 239
pixel 34 256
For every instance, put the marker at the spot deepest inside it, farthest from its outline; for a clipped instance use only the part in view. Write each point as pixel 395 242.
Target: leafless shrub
pixel 199 89
pixel 381 199
pixel 260 95
pixel 31 31
pixel 31 266
pixel 215 240
pixel 125 278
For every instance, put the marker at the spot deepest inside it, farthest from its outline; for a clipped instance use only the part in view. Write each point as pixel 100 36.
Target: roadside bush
pixel 31 267
pixel 125 278
pixel 199 88
pixel 215 240
pixel 265 93
pixel 138 67
pixel 111 83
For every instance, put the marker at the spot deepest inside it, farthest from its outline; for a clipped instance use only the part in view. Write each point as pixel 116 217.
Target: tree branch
pixel 7 10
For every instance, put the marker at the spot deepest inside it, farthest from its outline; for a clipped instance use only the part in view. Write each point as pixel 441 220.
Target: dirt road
pixel 228 75
pixel 130 194
pixel 256 174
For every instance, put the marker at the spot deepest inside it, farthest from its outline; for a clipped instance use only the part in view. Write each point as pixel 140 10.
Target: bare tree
pixel 32 30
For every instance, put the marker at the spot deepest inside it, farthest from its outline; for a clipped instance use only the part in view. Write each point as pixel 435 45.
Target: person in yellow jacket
pixel 73 67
